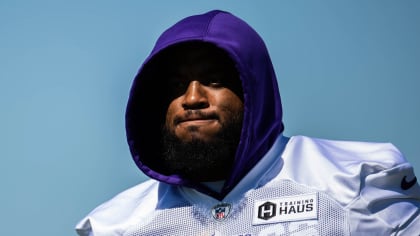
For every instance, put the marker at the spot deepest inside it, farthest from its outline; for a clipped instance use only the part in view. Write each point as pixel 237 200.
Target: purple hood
pixel 262 105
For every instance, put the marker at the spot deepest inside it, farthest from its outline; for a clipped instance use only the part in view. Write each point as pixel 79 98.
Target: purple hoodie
pixel 262 105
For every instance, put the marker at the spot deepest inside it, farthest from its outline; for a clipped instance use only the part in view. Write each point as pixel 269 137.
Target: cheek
pixel 234 102
pixel 170 112
pixel 232 105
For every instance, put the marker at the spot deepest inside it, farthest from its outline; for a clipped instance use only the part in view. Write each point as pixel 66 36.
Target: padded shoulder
pixel 336 167
pixel 115 214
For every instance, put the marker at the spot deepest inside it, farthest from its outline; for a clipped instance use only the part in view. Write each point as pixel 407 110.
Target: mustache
pixel 194 114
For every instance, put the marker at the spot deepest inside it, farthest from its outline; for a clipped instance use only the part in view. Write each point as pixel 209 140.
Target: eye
pixel 214 81
pixel 179 86
pixel 176 87
pixel 215 84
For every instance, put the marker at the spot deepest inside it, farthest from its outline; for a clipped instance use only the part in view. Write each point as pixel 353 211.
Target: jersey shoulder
pixel 336 167
pixel 346 152
pixel 115 214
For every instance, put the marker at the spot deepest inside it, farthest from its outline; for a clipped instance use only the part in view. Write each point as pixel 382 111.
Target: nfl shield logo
pixel 221 211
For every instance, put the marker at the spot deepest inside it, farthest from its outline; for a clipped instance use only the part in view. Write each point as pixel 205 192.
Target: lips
pixel 199 122
pixel 195 118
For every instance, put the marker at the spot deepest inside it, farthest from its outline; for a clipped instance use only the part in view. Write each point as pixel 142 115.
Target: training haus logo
pixel 290 208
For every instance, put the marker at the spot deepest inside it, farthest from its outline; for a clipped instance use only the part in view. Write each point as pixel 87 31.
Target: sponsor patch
pixel 289 208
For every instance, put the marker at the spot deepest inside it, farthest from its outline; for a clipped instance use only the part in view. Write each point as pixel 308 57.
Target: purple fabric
pixel 262 113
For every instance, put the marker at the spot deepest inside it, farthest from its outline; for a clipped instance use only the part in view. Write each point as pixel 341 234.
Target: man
pixel 204 122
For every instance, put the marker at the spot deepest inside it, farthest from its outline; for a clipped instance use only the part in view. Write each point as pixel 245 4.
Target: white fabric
pixel 356 186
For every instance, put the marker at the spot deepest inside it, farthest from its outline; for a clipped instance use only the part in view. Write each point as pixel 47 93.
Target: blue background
pixel 347 70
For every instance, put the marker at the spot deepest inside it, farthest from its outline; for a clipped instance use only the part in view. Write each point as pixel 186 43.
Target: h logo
pixel 267 210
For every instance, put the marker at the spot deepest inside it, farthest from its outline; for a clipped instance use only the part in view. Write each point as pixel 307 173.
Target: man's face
pixel 204 116
pixel 203 97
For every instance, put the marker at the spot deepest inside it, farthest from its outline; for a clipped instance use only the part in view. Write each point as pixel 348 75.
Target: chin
pixel 197 157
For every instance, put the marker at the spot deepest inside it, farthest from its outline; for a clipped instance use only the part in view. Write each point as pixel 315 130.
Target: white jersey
pixel 303 186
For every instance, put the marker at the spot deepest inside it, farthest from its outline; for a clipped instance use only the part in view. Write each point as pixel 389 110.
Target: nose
pixel 195 96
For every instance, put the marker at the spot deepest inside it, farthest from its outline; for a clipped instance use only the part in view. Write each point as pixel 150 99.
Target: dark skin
pixel 205 102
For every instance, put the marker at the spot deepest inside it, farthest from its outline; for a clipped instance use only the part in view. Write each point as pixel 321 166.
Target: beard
pixel 202 161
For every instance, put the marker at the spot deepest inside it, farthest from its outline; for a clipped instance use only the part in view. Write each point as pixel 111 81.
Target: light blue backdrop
pixel 347 70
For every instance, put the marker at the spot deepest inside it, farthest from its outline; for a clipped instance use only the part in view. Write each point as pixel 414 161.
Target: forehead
pixel 193 54
pixel 193 59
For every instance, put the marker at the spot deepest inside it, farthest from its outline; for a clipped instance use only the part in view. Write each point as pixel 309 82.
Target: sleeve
pixel 389 199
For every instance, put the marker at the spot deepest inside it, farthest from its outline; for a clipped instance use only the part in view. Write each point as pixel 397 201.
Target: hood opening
pixel 149 101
